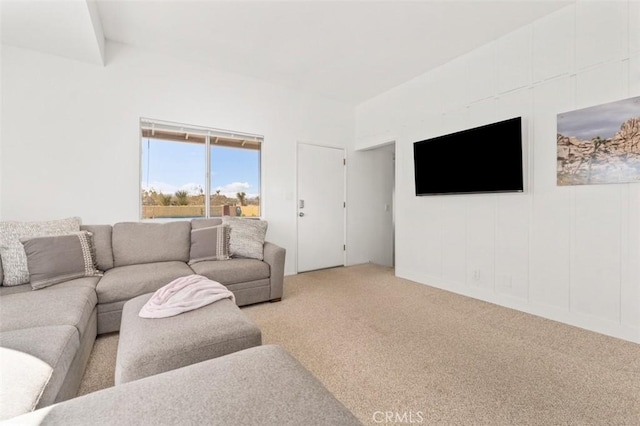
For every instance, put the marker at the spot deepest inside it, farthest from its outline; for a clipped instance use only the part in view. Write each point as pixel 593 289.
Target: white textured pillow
pixel 14 259
pixel 24 379
pixel 247 236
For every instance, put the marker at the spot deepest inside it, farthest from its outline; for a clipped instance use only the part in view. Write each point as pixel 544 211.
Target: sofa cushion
pixel 210 243
pixel 127 282
pixel 90 282
pixel 258 386
pixel 233 270
pixel 251 292
pixel 135 243
pixel 60 258
pixel 12 253
pixel 102 244
pixel 13 289
pixel 33 366
pixel 50 306
pixel 205 223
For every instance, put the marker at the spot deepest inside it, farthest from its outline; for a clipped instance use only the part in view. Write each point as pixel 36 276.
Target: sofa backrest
pixel 102 243
pixel 205 223
pixel 136 242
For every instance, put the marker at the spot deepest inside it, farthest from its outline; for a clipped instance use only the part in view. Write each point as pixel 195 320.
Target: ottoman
pixel 149 346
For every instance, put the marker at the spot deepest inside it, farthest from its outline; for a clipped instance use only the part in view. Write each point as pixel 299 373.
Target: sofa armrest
pixel 274 256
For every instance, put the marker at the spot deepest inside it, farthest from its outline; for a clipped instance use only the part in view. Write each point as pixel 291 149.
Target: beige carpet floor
pixel 383 344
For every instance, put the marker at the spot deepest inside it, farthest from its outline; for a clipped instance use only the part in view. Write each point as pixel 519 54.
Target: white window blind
pixel 165 130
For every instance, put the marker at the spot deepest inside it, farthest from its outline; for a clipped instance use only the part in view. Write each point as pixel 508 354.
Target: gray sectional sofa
pixel 59 324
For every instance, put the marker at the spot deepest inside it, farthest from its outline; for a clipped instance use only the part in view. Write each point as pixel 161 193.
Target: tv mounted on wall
pixel 480 160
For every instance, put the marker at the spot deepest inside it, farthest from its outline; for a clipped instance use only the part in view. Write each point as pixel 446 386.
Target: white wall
pixel 566 253
pixel 1 127
pixel 70 137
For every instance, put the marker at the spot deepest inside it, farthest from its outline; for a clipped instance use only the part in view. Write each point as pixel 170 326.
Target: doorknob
pixel 300 214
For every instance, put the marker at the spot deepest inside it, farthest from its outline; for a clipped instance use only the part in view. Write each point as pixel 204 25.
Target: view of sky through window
pixel 169 166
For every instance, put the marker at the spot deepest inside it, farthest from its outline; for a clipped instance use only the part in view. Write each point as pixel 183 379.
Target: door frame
pixel 344 189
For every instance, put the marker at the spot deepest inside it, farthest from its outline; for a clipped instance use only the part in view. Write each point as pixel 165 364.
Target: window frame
pixel 151 129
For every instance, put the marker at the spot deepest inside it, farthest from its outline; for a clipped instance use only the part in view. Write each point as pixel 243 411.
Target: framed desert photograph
pixel 600 144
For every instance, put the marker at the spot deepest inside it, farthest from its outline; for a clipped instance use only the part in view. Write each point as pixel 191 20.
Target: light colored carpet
pixel 383 344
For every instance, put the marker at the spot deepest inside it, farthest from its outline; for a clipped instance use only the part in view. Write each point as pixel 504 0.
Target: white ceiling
pixel 347 50
pixel 69 28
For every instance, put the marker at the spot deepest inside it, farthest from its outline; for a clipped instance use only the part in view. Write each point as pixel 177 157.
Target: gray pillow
pixel 56 259
pixel 210 243
pixel 12 255
pixel 247 236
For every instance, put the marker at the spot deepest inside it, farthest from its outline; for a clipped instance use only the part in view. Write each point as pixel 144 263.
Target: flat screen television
pixel 479 160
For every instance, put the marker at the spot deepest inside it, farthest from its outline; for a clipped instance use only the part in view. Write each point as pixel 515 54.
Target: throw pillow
pixel 56 259
pixel 12 255
pixel 247 236
pixel 210 243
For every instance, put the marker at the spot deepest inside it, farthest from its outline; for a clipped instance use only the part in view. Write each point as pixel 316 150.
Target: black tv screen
pixel 482 159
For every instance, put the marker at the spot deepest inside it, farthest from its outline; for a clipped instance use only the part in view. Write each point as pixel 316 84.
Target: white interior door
pixel 321 209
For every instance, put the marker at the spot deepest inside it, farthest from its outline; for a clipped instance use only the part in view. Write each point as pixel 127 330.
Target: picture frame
pixel 599 144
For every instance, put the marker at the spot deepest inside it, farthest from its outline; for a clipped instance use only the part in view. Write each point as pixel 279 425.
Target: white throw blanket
pixel 184 294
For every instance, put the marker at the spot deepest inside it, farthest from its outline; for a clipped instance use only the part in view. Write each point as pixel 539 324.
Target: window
pixel 190 171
